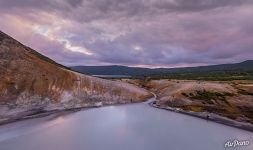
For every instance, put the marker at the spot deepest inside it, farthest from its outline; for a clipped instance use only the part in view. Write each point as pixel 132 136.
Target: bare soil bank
pixel 231 99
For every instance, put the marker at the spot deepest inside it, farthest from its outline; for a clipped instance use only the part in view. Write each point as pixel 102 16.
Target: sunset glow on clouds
pixel 153 33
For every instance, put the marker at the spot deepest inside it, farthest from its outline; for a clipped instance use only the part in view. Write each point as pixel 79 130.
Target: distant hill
pixel 111 70
pixel 236 69
pixel 243 66
pixel 124 70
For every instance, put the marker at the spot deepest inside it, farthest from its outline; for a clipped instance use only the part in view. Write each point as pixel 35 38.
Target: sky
pixel 144 33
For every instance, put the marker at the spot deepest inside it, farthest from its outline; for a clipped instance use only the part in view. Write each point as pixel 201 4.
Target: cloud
pixel 135 33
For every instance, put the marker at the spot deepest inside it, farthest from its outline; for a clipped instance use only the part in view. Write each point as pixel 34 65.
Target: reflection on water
pixel 13 130
pixel 125 127
pixel 58 120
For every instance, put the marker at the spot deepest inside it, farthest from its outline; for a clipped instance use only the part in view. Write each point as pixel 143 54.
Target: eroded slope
pixel 30 80
pixel 233 99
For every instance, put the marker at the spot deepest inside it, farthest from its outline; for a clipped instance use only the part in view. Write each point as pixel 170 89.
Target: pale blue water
pixel 112 76
pixel 124 127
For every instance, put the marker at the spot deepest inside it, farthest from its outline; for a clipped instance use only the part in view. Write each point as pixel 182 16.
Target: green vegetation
pixel 207 76
pixel 223 72
pixel 208 96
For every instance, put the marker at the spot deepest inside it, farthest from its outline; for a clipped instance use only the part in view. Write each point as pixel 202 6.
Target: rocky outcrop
pixel 31 81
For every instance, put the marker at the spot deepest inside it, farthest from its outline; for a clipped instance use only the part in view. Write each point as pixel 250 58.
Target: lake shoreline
pixel 202 115
pixel 209 117
pixel 32 114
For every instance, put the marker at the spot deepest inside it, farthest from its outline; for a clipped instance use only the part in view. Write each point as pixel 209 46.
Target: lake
pixel 123 127
pixel 112 76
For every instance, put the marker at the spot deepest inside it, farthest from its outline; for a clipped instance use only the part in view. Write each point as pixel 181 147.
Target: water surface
pixel 124 127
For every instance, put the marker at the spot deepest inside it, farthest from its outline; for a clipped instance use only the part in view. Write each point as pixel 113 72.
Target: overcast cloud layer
pixel 151 33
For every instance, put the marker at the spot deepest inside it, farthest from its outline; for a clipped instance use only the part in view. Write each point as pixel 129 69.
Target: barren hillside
pixel 31 81
pixel 233 99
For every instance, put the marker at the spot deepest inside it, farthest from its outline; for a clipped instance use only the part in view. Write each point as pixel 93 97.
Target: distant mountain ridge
pixel 110 70
pixel 133 71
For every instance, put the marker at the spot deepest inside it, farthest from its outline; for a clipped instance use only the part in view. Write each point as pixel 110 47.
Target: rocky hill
pixel 31 82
